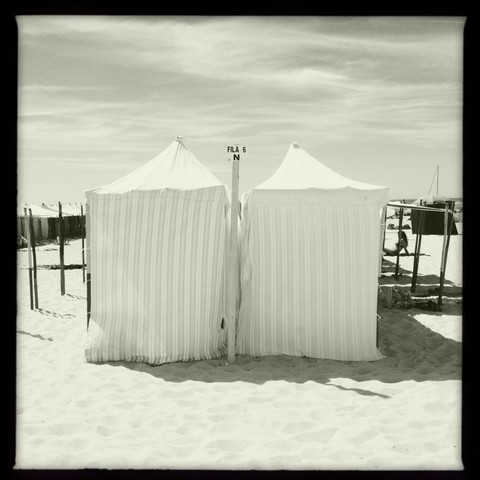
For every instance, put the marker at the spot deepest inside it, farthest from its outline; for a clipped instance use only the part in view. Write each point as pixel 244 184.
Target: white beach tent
pixel 310 255
pixel 157 250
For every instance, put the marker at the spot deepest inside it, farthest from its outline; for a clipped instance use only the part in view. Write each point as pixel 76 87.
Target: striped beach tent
pixel 157 256
pixel 309 273
pixel 41 221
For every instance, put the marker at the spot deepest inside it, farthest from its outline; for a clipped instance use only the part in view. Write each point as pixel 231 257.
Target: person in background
pixel 402 244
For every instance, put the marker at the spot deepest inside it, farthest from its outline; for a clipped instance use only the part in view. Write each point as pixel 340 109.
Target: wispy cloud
pixel 111 89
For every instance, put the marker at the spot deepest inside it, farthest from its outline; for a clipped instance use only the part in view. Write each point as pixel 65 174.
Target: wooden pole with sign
pixel 233 255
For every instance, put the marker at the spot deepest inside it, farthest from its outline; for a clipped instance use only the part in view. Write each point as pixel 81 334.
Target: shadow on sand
pixel 425 285
pixel 21 332
pixel 54 314
pixel 412 352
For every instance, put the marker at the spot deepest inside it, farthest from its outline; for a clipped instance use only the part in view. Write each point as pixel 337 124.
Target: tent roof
pixel 299 170
pixel 68 209
pixel 175 168
pixel 36 211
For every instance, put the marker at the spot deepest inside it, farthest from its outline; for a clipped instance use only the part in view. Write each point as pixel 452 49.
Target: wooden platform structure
pixel 448 211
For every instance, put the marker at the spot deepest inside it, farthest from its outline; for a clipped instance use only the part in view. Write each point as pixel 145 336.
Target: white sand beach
pixel 402 412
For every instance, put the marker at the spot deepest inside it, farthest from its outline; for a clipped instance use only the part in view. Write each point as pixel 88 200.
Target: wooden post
pixel 450 226
pixel 382 238
pixel 446 241
pixel 40 235
pixel 234 152
pixel 29 253
pixel 82 230
pixel 232 263
pixel 89 263
pixel 34 257
pixel 418 243
pixel 388 296
pixel 61 242
pixel 400 224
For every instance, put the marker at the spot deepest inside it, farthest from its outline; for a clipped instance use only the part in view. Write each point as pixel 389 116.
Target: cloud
pixel 114 90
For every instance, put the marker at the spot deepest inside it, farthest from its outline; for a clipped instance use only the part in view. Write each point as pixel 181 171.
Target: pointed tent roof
pixel 299 170
pixel 175 168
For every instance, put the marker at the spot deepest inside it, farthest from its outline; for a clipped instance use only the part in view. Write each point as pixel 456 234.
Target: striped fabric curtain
pixel 158 266
pixel 309 274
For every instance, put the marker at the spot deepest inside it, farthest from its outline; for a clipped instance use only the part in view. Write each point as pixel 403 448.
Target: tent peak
pixel 295 145
pixel 178 139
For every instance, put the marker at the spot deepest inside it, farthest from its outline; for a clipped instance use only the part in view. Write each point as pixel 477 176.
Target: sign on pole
pixel 234 154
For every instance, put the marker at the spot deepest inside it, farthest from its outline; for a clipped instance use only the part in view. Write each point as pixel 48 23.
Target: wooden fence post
pixel 418 243
pixel 89 263
pixel 34 257
pixel 447 229
pixel 29 253
pixel 383 227
pixel 400 224
pixel 82 230
pixel 61 242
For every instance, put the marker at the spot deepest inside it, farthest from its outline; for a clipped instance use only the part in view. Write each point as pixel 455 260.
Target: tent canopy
pixel 37 211
pixel 175 168
pixel 68 209
pixel 299 170
pixel 302 179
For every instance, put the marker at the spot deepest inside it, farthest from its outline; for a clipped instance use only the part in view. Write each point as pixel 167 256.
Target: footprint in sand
pixel 321 436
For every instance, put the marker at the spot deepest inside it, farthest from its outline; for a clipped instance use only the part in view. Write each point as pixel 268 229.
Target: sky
pixel 377 99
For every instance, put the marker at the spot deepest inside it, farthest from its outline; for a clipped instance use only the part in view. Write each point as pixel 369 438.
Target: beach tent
pixel 42 221
pixel 310 256
pixel 156 250
pixel 73 219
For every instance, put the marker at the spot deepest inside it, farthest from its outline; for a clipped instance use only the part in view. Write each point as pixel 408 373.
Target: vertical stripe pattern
pixel 157 265
pixel 309 275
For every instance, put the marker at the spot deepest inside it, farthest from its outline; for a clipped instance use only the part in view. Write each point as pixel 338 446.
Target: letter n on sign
pixel 235 152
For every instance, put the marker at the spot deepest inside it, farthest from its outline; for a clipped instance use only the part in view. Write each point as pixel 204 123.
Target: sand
pixel 399 413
